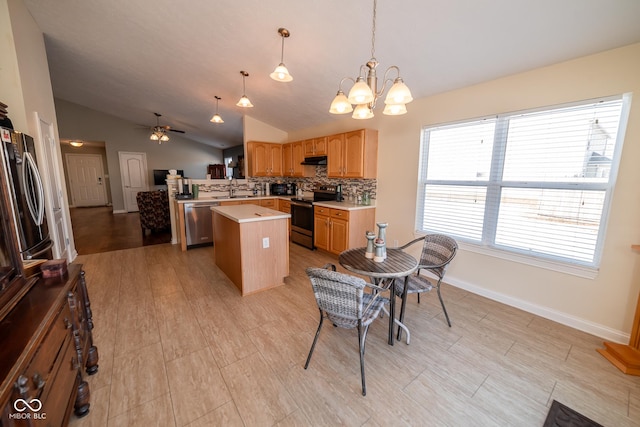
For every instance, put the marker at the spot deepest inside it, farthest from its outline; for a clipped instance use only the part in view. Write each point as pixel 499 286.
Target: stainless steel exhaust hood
pixel 315 160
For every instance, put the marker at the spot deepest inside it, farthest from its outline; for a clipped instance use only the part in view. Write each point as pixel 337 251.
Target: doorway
pixel 86 180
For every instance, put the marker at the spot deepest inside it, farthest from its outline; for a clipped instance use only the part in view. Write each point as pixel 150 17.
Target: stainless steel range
pixel 302 214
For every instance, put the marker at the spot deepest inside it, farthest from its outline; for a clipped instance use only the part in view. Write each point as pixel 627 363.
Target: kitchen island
pixel 251 246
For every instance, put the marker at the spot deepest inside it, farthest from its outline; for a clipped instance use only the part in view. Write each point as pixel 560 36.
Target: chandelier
pixel 365 93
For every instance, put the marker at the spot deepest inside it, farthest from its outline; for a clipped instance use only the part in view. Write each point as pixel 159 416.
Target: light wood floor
pixel 179 346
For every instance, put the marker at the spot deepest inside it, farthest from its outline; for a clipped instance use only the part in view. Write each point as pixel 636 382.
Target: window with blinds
pixel 537 183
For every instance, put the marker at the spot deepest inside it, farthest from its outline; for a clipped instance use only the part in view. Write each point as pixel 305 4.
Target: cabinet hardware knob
pixel 21 385
pixel 67 323
pixel 38 381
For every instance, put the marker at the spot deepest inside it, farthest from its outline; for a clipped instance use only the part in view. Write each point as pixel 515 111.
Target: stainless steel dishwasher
pixel 198 224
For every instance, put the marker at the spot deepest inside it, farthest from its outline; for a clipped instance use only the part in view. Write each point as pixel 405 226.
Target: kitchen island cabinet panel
pixel 251 246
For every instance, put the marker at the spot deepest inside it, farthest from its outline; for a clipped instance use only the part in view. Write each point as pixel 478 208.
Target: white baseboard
pixel 598 330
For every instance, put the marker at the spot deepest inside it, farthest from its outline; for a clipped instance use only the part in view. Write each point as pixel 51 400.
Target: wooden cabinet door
pixel 297 157
pixel 353 154
pixel 308 147
pixel 287 159
pixel 259 159
pixel 321 232
pixel 320 146
pixel 339 237
pixel 275 154
pixel 268 203
pixel 335 155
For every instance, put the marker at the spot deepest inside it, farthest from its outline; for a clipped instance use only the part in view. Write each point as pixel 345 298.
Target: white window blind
pixel 537 183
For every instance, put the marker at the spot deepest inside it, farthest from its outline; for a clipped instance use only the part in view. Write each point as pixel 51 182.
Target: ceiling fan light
pixel 281 74
pixel 164 137
pixel 394 109
pixel 76 143
pixel 399 93
pixel 362 111
pixel 244 102
pixel 154 136
pixel 360 93
pixel 340 104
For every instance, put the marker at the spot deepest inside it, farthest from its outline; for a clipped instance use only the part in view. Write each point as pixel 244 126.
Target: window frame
pixel 494 186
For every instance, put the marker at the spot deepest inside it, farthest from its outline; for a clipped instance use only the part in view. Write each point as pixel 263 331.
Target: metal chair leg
pixel 315 340
pixel 442 304
pixel 361 348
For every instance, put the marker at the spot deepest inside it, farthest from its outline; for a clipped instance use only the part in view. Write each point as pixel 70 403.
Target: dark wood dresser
pixel 46 349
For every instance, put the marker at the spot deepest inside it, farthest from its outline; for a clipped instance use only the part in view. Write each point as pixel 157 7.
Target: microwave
pixel 282 189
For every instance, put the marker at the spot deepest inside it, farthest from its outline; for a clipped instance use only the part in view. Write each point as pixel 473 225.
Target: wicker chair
pixel 154 210
pixel 437 252
pixel 342 299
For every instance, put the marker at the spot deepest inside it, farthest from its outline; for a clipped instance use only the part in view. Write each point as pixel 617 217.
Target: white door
pixel 86 180
pixel 133 170
pixel 52 174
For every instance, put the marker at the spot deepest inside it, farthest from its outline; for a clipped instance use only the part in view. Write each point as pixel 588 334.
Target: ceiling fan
pixel 159 133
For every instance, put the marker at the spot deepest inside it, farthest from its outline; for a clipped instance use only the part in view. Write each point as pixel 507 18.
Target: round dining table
pixel 397 264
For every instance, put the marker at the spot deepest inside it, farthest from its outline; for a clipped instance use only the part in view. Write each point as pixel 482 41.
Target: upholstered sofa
pixel 154 210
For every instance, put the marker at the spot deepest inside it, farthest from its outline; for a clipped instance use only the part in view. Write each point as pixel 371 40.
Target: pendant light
pixel 216 117
pixel 365 93
pixel 244 101
pixel 281 74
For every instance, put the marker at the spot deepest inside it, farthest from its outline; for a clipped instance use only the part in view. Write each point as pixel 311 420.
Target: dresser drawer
pixel 39 372
pixel 339 213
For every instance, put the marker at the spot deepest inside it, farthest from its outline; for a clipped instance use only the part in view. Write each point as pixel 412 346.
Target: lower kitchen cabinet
pixel 336 230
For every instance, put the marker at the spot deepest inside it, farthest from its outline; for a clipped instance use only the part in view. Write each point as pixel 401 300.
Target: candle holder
pixel 370 251
pixel 382 236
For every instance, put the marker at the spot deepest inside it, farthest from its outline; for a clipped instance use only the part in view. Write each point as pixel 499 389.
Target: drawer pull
pixel 38 381
pixel 21 385
pixel 67 323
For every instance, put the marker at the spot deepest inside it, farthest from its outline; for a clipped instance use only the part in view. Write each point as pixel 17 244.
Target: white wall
pixel 78 122
pixel 605 305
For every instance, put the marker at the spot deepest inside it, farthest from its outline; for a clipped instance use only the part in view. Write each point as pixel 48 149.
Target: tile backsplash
pixel 348 185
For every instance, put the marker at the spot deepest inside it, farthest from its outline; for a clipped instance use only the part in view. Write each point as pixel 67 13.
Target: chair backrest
pixel 337 293
pixel 438 250
pixel 154 208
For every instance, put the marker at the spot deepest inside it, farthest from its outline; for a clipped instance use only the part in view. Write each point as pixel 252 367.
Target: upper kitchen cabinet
pixel 353 154
pixel 264 158
pixel 292 157
pixel 315 147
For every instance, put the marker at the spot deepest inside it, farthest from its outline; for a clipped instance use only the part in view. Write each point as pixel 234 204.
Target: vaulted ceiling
pixel 131 58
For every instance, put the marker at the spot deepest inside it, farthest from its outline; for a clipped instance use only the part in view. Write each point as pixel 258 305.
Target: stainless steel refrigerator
pixel 26 191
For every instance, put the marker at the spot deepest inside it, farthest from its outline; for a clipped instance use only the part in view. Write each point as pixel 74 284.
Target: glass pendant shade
pixel 244 102
pixel 362 111
pixel 394 109
pixel 360 93
pixel 340 104
pixel 281 74
pixel 216 118
pixel 154 137
pixel 399 93
pixel 164 138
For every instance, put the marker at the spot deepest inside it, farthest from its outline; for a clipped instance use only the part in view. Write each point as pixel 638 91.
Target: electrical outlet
pixel 265 242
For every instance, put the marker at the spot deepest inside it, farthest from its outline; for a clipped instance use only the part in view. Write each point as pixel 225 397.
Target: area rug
pixel 562 416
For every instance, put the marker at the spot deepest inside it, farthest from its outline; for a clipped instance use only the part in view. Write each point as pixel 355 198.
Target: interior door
pixel 58 229
pixel 133 171
pixel 86 180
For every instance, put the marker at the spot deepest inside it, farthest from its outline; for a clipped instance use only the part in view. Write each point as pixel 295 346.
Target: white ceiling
pixel 130 58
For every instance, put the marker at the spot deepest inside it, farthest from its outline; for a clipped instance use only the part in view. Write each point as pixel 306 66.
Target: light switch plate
pixel 265 242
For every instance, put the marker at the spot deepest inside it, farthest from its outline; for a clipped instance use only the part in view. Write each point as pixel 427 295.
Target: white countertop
pixel 347 206
pixel 249 213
